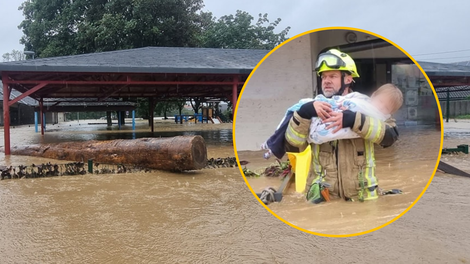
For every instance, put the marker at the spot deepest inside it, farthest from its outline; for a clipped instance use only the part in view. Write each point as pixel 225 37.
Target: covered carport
pixel 451 82
pixel 157 73
pixel 88 105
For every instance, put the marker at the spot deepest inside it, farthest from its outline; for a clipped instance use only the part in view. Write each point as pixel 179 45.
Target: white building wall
pixel 279 82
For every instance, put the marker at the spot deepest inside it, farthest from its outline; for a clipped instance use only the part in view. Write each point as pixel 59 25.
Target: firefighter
pixel 346 167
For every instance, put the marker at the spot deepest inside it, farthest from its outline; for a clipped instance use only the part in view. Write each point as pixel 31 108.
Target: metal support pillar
pixel 133 119
pixel 151 108
pixel 36 120
pixel 119 120
pixel 234 93
pixel 41 114
pixel 448 106
pixel 6 115
pixel 123 117
pixel 108 119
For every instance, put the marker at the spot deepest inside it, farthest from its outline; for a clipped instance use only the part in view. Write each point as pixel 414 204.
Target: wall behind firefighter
pixel 280 81
pixel 287 76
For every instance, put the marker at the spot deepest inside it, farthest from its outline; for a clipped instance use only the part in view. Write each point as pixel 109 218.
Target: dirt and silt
pixel 204 216
pixel 407 165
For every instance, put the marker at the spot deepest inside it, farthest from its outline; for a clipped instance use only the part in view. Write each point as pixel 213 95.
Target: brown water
pixel 203 217
pixel 456 133
pixel 407 165
pixel 220 134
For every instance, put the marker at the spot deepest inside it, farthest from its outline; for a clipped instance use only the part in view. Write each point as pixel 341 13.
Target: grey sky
pixel 418 26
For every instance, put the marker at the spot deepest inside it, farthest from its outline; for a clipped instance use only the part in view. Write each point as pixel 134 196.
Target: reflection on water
pixel 220 134
pixel 456 135
pixel 201 217
pixel 211 137
pixel 141 217
pixel 137 218
pixel 407 165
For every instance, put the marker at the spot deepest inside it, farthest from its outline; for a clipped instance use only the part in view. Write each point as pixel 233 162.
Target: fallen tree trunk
pixel 173 154
pixel 451 169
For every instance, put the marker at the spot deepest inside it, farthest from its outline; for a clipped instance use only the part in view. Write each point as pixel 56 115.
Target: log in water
pixel 173 154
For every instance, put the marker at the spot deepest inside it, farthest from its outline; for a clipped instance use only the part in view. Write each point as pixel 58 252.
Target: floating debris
pixel 281 169
pixel 228 162
pixel 78 168
pixel 42 170
pixel 249 173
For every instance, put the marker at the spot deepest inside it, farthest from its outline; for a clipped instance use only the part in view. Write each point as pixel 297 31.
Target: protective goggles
pixel 331 60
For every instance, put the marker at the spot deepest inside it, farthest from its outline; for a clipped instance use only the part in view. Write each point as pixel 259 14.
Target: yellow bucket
pixel 300 163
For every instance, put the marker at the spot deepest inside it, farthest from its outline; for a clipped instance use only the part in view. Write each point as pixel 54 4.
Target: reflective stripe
pixel 371 195
pixel 369 130
pixel 375 128
pixel 379 131
pixel 300 135
pixel 316 160
pixel 371 180
pixel 294 137
pixel 335 143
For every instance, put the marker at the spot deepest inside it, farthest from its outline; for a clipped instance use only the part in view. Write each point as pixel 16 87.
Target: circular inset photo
pixel 338 132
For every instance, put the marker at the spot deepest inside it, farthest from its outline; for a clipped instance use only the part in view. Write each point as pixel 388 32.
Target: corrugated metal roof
pixel 455 92
pixel 148 60
pixel 444 69
pixel 14 93
pixel 462 63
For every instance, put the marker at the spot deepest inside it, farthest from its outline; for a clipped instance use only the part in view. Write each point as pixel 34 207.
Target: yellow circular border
pixel 235 145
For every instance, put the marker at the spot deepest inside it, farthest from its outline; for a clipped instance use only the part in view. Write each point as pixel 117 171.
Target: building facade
pixel 287 76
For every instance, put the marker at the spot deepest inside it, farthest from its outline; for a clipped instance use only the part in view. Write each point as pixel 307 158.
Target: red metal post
pixel 41 114
pixel 152 107
pixel 234 92
pixel 6 114
pixel 28 93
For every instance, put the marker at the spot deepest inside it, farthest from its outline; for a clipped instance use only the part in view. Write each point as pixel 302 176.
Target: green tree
pixel 179 104
pixel 65 27
pixel 239 32
pixel 164 107
pixel 142 109
pixel 68 27
pixel 14 55
pixel 197 103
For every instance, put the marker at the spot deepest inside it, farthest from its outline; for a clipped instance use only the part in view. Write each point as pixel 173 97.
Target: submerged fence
pixel 456 108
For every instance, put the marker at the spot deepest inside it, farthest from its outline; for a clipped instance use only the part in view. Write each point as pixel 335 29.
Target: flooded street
pixel 141 217
pixel 208 216
pixel 220 134
pixel 407 165
pixel 456 133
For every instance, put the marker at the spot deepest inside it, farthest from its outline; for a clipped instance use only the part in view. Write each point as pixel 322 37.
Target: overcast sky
pixel 418 26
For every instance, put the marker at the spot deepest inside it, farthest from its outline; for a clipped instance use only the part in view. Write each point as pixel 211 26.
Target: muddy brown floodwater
pixel 457 132
pixel 207 216
pixel 407 165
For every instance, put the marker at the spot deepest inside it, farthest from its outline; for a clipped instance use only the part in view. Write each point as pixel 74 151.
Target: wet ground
pixel 204 217
pixel 407 165
pixel 457 132
pixel 220 134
